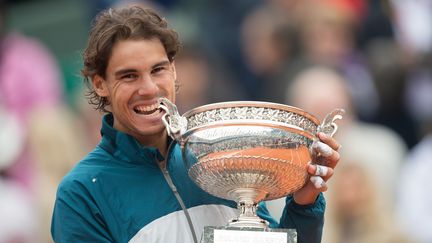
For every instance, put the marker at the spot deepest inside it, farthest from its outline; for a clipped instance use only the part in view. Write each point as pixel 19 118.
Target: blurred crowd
pixel 372 58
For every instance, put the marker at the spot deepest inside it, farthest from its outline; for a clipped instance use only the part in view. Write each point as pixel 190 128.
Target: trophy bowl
pixel 247 151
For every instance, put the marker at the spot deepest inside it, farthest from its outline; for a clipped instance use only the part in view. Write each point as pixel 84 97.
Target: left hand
pixel 326 157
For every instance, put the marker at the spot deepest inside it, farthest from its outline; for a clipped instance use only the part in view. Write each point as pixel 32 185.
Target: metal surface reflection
pixel 247 151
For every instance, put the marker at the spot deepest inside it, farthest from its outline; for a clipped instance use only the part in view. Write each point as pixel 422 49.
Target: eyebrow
pixel 124 71
pixel 162 63
pixel 132 70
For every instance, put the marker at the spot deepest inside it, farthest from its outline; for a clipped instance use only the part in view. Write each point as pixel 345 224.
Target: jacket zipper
pixel 163 167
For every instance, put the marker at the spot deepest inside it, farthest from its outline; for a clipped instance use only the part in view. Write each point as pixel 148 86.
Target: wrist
pixel 305 199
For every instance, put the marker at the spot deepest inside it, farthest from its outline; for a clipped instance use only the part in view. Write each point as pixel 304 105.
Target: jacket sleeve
pixel 76 218
pixel 308 220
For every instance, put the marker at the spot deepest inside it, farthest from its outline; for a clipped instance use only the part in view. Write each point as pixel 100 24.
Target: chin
pixel 152 130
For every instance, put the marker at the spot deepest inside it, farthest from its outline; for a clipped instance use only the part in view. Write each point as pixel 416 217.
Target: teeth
pixel 147 108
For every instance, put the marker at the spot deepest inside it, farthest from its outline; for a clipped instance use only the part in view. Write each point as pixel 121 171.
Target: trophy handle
pixel 174 123
pixel 329 126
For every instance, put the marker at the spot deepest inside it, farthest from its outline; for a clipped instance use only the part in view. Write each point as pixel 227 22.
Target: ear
pixel 100 86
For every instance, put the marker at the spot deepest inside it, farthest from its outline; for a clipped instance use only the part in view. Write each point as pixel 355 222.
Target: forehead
pixel 137 52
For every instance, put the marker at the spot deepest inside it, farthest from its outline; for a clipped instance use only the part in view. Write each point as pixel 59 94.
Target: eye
pixel 158 69
pixel 129 77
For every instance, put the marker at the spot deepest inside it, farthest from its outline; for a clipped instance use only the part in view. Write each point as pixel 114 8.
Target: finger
pixel 320 170
pixel 330 161
pixel 319 183
pixel 325 154
pixel 322 149
pixel 329 141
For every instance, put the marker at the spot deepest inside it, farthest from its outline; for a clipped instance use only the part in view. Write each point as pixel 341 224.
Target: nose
pixel 147 87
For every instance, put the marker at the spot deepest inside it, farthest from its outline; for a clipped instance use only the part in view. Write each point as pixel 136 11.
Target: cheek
pixel 167 84
pixel 120 93
pixel 173 91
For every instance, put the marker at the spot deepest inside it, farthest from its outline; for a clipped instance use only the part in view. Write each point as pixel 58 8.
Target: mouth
pixel 146 109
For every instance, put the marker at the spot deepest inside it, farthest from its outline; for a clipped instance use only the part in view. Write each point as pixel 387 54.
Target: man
pixel 133 186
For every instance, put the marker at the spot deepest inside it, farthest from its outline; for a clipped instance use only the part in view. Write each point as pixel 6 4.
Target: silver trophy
pixel 247 151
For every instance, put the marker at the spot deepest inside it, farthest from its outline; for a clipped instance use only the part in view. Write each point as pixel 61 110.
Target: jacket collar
pixel 124 147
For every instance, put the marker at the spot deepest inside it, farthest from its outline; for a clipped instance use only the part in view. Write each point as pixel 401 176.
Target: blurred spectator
pixel 18 223
pixel 355 215
pixel 29 78
pixel 418 92
pixel 377 23
pixel 413 23
pixel 413 29
pixel 328 38
pixel 193 79
pixel 414 200
pixel 31 91
pixel 11 139
pixel 319 90
pixel 201 82
pixel 88 121
pixel 219 33
pixel 55 146
pixel 390 77
pixel 376 150
pixel 268 44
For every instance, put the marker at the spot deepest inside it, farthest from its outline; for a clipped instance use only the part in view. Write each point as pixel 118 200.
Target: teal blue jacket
pixel 118 193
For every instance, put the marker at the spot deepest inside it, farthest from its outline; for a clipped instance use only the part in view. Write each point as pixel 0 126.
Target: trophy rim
pixel 259 104
pixel 258 123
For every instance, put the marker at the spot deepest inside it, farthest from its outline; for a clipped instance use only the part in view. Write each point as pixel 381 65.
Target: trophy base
pixel 249 222
pixel 229 234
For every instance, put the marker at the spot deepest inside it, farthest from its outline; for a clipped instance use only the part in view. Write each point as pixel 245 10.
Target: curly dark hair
pixel 113 25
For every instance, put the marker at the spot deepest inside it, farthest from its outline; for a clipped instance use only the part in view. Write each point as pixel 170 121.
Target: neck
pixel 159 141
